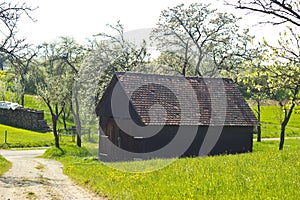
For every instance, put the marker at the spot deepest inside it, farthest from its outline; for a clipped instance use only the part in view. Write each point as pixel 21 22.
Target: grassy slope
pixel 4 165
pixel 17 137
pixel 264 174
pixel 25 138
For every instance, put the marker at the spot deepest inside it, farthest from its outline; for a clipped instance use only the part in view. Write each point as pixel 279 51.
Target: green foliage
pixel 6 84
pixel 252 79
pixel 21 65
pixel 4 165
pixel 283 71
pixel 243 176
pixel 53 153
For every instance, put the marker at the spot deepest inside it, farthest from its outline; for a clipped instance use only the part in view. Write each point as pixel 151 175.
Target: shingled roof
pixel 175 100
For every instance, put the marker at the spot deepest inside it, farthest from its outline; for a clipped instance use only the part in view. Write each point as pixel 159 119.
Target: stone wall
pixel 24 118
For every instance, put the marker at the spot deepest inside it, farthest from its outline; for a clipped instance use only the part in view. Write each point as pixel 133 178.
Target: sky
pixel 82 19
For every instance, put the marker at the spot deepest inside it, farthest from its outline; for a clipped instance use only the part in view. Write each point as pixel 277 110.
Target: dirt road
pixel 37 178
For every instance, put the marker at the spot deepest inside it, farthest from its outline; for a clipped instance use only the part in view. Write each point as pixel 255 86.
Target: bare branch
pixel 285 11
pixel 10 15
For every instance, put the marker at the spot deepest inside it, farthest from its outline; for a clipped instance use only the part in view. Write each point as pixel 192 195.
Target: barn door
pixel 112 132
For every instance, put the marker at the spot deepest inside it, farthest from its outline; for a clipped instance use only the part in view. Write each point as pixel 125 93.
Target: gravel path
pixel 37 178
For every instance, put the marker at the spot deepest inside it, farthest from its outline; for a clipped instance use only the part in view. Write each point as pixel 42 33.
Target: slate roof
pixel 174 100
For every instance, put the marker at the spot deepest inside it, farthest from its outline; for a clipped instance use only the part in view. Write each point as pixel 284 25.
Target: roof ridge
pixel 118 73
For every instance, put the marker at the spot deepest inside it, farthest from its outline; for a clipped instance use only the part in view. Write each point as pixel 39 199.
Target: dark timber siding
pixel 232 140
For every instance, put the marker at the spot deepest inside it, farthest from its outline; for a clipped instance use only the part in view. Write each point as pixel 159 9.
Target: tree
pixel 115 53
pixel 281 11
pixel 283 72
pixel 174 62
pixel 197 33
pixel 73 55
pixel 3 84
pixel 21 64
pixel 10 15
pixel 284 75
pixel 13 48
pixel 108 53
pixel 56 83
pixel 253 83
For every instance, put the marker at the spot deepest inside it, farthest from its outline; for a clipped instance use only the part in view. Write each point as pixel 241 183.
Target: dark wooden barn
pixel 146 116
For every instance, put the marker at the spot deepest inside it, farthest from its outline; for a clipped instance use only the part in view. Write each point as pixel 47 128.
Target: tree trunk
pixel 54 124
pixel 258 118
pixel 282 133
pixel 185 64
pixel 183 70
pixel 285 122
pixel 78 140
pixel 259 133
pixel 22 99
pixel 75 112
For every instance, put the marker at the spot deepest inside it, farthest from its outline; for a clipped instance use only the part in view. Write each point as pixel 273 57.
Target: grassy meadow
pixel 270 122
pixel 17 137
pixel 264 174
pixel 20 138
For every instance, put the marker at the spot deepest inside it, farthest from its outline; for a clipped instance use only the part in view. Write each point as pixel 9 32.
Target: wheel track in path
pixel 38 178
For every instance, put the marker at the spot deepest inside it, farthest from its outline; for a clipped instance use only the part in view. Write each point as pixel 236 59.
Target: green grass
pixel 21 138
pixel 264 174
pixel 271 118
pixel 17 137
pixel 66 150
pixel 4 165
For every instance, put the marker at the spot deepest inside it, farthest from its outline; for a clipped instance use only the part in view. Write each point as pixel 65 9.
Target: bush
pixel 69 150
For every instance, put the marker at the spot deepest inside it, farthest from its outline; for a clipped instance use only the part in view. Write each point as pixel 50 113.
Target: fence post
pixel 5 137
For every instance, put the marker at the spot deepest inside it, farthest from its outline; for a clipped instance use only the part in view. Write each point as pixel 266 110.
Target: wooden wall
pixel 232 140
